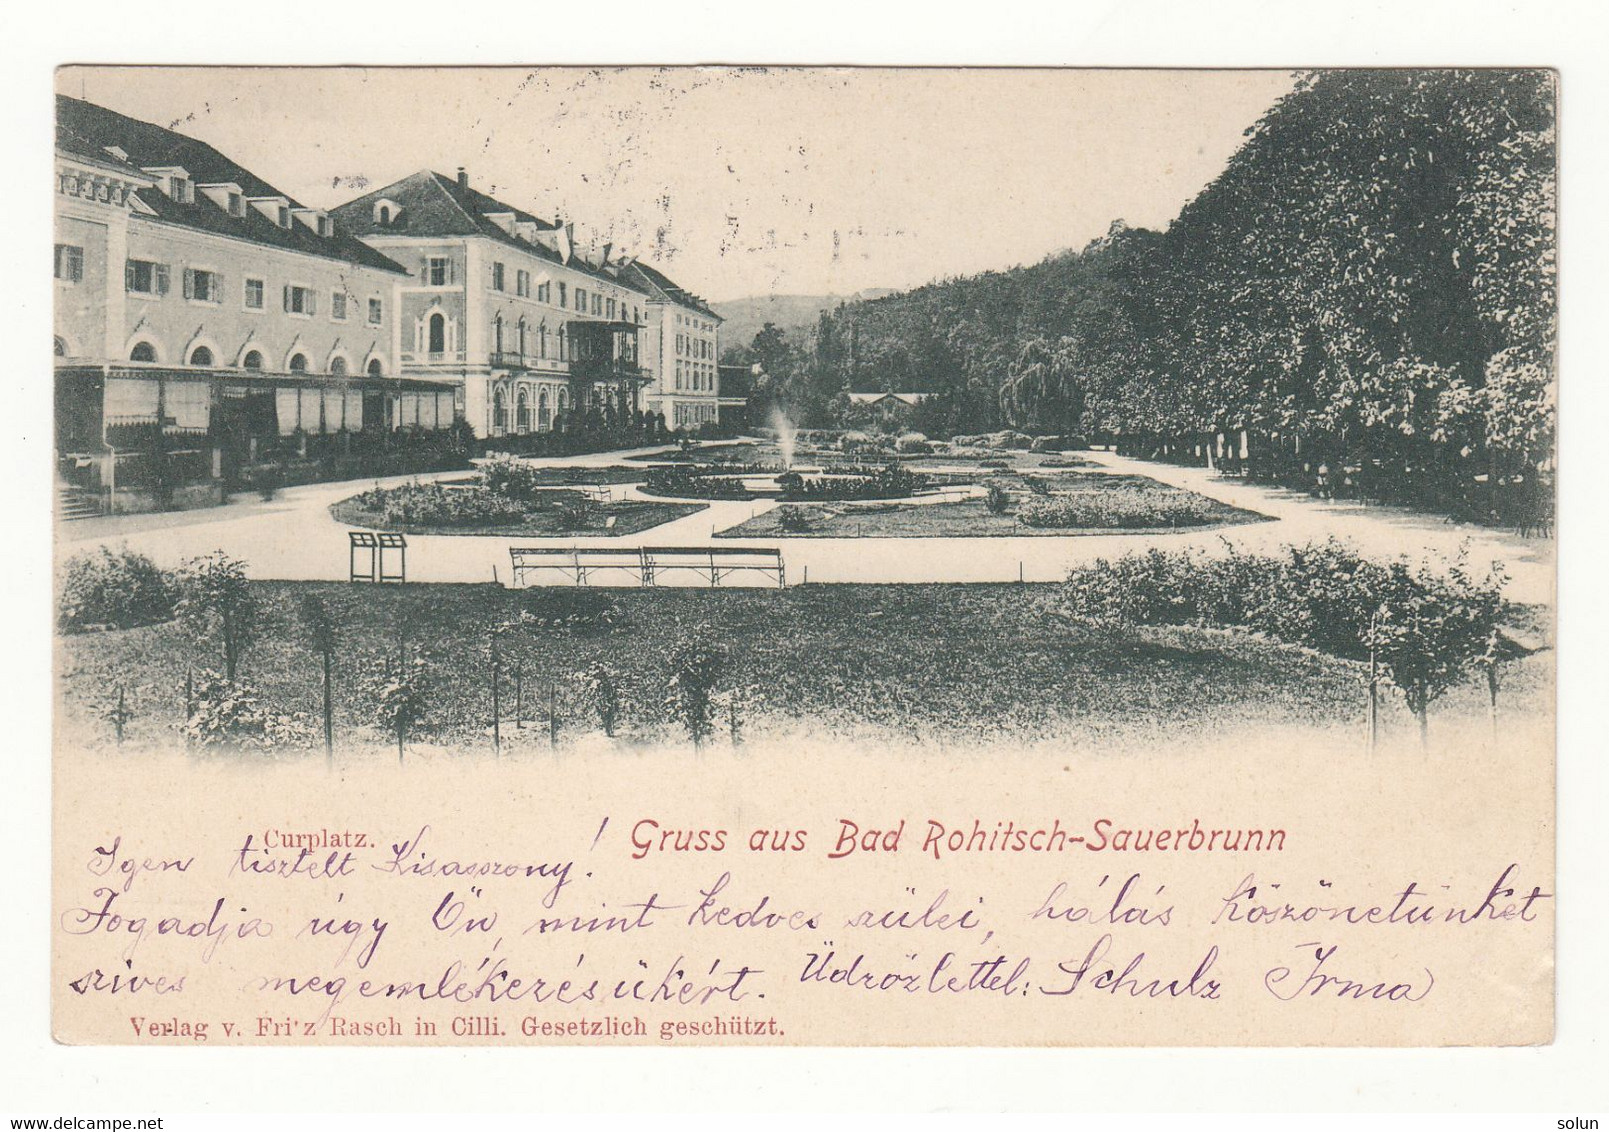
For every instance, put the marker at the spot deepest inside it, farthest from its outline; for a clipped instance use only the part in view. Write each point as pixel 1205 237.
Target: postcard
pixel 754 556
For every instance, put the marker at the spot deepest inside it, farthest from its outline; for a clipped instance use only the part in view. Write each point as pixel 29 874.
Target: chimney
pixel 463 178
pixel 608 246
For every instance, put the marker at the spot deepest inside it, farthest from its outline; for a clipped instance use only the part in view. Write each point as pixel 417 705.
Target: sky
pixel 740 181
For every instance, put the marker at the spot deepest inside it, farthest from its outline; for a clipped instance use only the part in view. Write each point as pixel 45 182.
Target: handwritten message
pixel 636 925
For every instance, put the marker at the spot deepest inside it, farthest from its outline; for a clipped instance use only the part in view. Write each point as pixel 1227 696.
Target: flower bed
pixel 847 483
pixel 1118 502
pixel 507 497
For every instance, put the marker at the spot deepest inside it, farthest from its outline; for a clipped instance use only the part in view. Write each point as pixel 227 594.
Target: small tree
pixel 118 714
pixel 694 670
pixel 320 624
pixel 602 695
pixel 1430 630
pixel 997 500
pixel 217 602
pixel 399 694
pixel 1500 649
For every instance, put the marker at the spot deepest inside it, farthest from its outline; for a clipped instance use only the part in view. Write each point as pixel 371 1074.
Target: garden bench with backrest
pixel 578 564
pixel 713 563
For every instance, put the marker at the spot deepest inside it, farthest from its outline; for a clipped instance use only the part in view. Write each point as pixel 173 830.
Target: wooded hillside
pixel 1371 278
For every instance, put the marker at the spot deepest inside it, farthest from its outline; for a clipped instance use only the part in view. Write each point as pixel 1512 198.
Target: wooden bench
pixel 713 562
pixel 577 564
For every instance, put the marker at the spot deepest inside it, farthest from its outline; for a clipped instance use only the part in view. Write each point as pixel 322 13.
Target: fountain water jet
pixel 787 436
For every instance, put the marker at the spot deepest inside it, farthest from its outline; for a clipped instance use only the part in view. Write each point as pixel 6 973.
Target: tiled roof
pixel 878 398
pixel 85 130
pixel 433 205
pixel 656 281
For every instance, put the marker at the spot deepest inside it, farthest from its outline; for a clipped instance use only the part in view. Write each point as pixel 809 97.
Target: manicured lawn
pixel 985 662
pixel 1095 502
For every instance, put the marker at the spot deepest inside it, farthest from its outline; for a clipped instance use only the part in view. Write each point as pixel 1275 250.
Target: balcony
pixel 433 358
pixel 523 363
pixel 607 369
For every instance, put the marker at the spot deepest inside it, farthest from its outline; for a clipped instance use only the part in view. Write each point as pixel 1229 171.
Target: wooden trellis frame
pixel 376 544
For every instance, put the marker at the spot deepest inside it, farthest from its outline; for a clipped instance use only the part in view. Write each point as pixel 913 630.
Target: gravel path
pixel 294 537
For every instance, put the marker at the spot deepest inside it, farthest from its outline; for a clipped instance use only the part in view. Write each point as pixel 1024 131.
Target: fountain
pixel 787 436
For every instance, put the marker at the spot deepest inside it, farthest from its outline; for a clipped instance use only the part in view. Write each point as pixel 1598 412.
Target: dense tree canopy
pixel 1373 271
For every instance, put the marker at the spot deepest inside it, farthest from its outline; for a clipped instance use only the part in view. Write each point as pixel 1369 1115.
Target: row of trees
pixel 397 691
pixel 1371 277
pixel 1423 629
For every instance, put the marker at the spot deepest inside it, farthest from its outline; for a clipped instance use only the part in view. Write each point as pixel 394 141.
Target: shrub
pixel 998 499
pixel 602 696
pixel 116 589
pixel 694 670
pixel 851 483
pixel 1426 627
pixel 433 504
pixel 554 609
pixel 864 442
pixel 575 510
pixel 511 479
pixel 915 443
pixel 398 691
pixel 794 520
pixel 217 602
pixel 230 713
pixel 682 481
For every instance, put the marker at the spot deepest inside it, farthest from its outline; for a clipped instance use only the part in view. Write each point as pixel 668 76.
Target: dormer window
pixel 175 182
pixel 385 211
pixel 226 195
pixel 323 226
pixel 118 152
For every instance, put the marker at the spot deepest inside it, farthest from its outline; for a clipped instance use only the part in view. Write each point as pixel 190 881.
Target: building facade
pixel 537 334
pixel 204 319
pixel 681 345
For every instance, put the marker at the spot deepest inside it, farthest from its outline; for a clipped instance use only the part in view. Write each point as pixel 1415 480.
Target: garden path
pixel 294 537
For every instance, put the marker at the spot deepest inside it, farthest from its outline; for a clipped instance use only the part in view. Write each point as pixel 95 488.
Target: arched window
pixel 142 352
pixel 252 360
pixel 522 337
pixel 564 344
pixel 61 348
pixel 542 338
pixel 497 335
pixel 338 366
pixel 522 411
pixel 298 363
pixel 499 411
pixel 375 368
pixel 438 333
pixel 385 214
pixel 201 356
pixel 543 417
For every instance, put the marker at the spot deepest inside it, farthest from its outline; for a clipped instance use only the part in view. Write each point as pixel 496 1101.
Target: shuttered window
pixel 143 277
